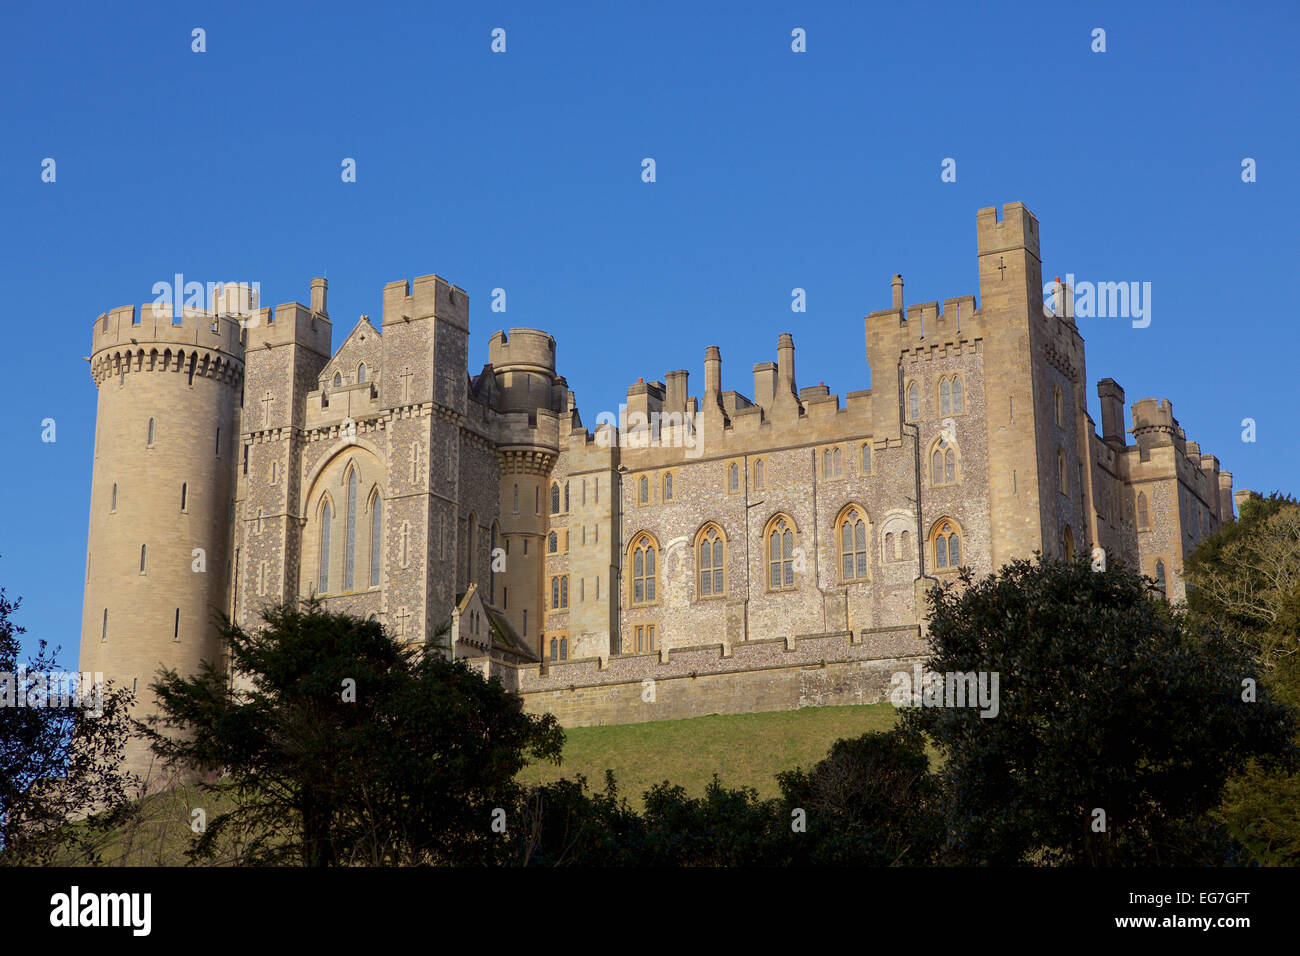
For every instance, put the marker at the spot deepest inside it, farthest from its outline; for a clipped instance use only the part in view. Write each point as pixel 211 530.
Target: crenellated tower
pixel 157 564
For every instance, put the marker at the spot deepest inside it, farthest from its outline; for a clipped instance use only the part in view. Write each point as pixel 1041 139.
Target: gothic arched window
pixel 1143 513
pixel 555 498
pixel 644 553
pixel 710 551
pixel 361 372
pixel 853 546
pixel 913 402
pixel 350 532
pixel 945 398
pixel 552 542
pixel 947 546
pixel 326 518
pixel 780 554
pixel 376 537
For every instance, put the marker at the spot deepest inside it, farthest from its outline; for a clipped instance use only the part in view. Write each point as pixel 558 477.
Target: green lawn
pixel 742 749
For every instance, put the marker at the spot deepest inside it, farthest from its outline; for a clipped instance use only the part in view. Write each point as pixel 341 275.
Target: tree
pixel 1118 721
pixel 1245 577
pixel 341 745
pixel 61 749
pixel 871 802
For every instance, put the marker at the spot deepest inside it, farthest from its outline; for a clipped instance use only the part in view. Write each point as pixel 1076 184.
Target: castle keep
pixel 744 552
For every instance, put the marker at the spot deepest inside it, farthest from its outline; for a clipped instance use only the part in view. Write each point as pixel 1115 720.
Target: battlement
pixel 426 297
pixel 530 350
pixel 1016 229
pixel 289 324
pixel 1154 414
pixel 130 326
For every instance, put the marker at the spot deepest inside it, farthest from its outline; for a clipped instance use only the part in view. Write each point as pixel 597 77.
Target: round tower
pixel 523 362
pixel 161 507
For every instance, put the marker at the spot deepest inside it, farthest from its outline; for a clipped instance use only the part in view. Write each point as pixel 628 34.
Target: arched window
pixel 114 504
pixel 350 532
pixel 555 498
pixel 153 430
pixel 103 634
pixel 891 546
pixel 1067 543
pixel 555 649
pixel 780 554
pixel 555 593
pixel 1059 404
pixel 564 591
pixel 853 545
pixel 326 519
pixel 709 551
pixel 956 395
pixel 142 547
pixel 733 477
pixel 1062 475
pixel 947 546
pixel 184 494
pixel 943 466
pixel 644 553
pixel 866 459
pixel 564 648
pixel 338 379
pixel 376 537
pixel 906 538
pixel 1143 514
pixel 837 462
pixel 1160 576
pixel 668 486
pixel 945 397
pixel 566 497
pixel 826 463
pixel 643 490
pixel 361 372
pixel 552 542
pixel 913 402
pixel 516 499
pixel 758 473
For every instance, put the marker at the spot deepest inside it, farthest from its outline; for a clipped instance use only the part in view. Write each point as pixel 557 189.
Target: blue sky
pixel 522 171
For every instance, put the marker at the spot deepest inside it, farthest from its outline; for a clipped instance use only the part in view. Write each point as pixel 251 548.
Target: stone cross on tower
pixel 266 410
pixel 406 383
pixel 402 616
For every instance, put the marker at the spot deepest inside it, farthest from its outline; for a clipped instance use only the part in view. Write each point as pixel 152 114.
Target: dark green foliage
pixel 1108 701
pixel 1246 578
pixel 57 763
pixel 410 771
pixel 871 802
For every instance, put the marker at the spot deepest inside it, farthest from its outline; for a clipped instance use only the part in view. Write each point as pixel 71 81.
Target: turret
pixel 161 498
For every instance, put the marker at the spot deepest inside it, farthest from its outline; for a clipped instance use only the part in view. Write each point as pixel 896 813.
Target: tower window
pixel 142 550
pixel 113 507
pixel 913 402
pixel 153 431
pixel 103 634
pixel 218 443
pixel 176 626
pixel 184 494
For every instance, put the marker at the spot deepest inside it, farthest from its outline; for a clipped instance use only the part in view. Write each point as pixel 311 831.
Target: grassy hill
pixel 742 749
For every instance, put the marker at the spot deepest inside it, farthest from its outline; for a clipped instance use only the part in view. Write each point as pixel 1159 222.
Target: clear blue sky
pixel 522 171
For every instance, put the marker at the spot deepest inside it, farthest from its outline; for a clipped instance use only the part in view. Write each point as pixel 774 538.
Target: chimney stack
pixel 898 291
pixel 318 287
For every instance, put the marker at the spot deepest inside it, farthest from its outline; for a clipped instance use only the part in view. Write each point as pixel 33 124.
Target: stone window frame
pixel 911 392
pixel 1142 512
pixel 868 454
pixel 948 528
pixel 940 445
pixel 644 638
pixel 956 393
pixel 831 460
pixel 1062 472
pixel 708 533
pixel 647 544
pixel 738 473
pixel 760 467
pixel 668 485
pixel 643 483
pixel 853 510
pixel 769 531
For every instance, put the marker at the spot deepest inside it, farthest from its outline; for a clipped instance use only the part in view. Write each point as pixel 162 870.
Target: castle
pixel 703 553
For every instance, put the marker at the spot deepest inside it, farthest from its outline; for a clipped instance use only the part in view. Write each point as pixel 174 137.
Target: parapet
pixel 129 326
pixel 1151 413
pixel 1018 229
pixel 289 324
pixel 426 297
pixel 522 350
